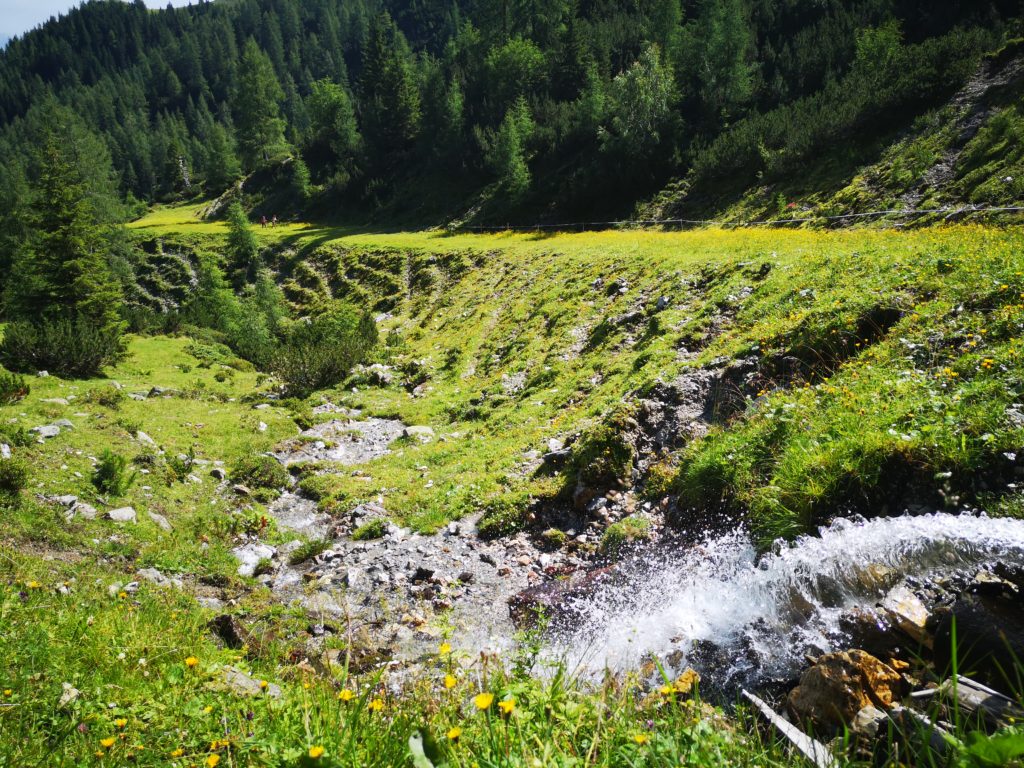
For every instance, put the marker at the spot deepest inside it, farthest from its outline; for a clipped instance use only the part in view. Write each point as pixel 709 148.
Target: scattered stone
pixel 421 433
pixel 55 401
pixel 250 555
pixel 83 510
pixel 840 685
pixel 145 439
pixel 46 432
pixel 160 520
pixel 241 490
pixel 663 303
pixel 69 696
pixel 43 374
pixel 261 427
pixel 906 611
pixel 5 451
pixel 64 424
pixel 122 515
pixel 154 576
pixel 217 473
pixel 244 685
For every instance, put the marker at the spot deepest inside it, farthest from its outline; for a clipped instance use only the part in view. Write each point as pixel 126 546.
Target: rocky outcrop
pixel 840 685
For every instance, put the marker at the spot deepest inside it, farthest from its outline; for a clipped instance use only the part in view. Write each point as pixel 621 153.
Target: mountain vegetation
pixel 441 110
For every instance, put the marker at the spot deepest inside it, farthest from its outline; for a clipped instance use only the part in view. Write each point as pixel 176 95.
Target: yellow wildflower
pixel 454 733
pixel 264 685
pixel 483 700
pixel 665 690
pixel 34 584
pixel 108 742
pixel 376 705
pixel 191 661
pixel 641 738
pixel 121 722
pixel 212 761
pixel 8 692
pixel 450 681
pixel 445 649
pixel 346 695
pixel 507 707
pixel 207 709
pixel 178 752
pixel 316 752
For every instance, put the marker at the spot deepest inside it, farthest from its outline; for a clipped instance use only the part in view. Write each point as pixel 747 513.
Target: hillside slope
pixel 561 399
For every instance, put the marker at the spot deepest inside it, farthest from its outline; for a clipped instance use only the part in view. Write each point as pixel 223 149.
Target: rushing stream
pixel 746 620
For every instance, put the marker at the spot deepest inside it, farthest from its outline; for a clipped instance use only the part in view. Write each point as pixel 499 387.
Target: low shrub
pixel 503 516
pixel 12 388
pixel 320 352
pixel 260 471
pixel 108 397
pixel 74 349
pixel 13 478
pixel 15 435
pixel 111 476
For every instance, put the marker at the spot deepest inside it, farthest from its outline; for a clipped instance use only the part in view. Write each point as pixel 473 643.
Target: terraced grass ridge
pixel 865 371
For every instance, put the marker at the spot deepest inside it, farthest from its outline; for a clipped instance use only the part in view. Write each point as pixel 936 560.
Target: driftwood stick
pixel 810 748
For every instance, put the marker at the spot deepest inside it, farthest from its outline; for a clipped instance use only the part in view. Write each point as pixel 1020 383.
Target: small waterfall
pixel 745 620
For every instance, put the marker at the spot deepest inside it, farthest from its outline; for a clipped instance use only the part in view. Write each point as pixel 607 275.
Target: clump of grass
pixel 627 531
pixel 373 529
pixel 260 472
pixel 504 515
pixel 111 476
pixel 308 551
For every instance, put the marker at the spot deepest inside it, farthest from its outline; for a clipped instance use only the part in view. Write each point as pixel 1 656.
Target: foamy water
pixel 717 607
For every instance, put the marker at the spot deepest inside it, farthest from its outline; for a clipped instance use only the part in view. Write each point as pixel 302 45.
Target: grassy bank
pixel 856 370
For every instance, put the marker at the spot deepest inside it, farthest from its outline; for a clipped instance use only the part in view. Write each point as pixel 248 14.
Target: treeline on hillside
pixel 567 106
pixel 67 260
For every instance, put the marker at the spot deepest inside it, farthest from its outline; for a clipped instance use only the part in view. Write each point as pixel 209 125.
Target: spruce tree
pixel 257 99
pixel 243 249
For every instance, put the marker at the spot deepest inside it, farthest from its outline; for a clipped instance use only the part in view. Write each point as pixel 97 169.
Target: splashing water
pixel 718 607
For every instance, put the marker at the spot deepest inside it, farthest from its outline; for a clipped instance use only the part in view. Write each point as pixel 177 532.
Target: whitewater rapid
pixel 720 608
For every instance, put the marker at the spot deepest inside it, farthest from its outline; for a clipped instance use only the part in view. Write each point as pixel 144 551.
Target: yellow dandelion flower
pixel 34 585
pixel 450 681
pixel 264 685
pixel 191 661
pixel 507 707
pixel 641 738
pixel 207 709
pixel 178 752
pixel 121 722
pixel 212 761
pixel 454 733
pixel 483 701
pixel 376 705
pixel 122 595
pixel 8 692
pixel 346 695
pixel 445 649
pixel 665 690
pixel 316 752
pixel 108 742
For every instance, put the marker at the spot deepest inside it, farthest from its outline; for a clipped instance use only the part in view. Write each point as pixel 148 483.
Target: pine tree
pixel 243 249
pixel 508 154
pixel 257 110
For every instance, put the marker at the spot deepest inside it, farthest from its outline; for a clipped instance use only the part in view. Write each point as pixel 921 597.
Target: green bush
pixel 111 476
pixel 12 388
pixel 260 472
pixel 504 515
pixel 320 352
pixel 108 397
pixel 13 478
pixel 15 435
pixel 75 349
